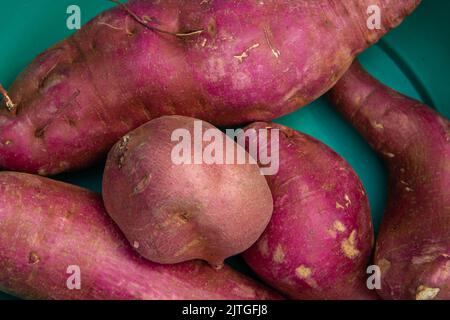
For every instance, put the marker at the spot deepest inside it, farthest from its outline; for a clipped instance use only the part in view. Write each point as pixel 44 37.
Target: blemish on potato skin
pixel 389 155
pixel 124 142
pixel 241 57
pixel 339 226
pixel 269 39
pixel 384 265
pixel 377 125
pixel 121 161
pixel 348 202
pixel 142 185
pixel 348 246
pixel 278 255
pixel 303 272
pixel 39 133
pixel 327 186
pixel 33 258
pixel 426 293
pixel 339 206
pixel 194 243
pixel 263 247
pixel 136 244
pixel 122 149
pixel 64 164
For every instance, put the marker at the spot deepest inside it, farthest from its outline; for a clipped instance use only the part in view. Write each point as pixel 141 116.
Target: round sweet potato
pixel 176 212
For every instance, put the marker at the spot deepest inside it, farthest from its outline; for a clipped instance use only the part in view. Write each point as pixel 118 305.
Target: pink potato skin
pixel 319 240
pixel 413 246
pixel 178 212
pixel 75 100
pixel 46 226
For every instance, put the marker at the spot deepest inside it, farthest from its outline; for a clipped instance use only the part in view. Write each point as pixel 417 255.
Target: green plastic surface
pixel 412 59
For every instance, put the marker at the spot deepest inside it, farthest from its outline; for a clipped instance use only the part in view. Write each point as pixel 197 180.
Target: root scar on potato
pixel 9 103
pixel 245 54
pixel 268 35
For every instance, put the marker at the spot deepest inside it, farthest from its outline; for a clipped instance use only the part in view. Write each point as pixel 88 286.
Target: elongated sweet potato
pixel 48 228
pixel 203 208
pixel 319 240
pixel 225 62
pixel 413 247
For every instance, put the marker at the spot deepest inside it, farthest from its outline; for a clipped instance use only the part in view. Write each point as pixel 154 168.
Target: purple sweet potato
pixel 173 212
pixel 319 240
pixel 204 59
pixel 48 228
pixel 413 246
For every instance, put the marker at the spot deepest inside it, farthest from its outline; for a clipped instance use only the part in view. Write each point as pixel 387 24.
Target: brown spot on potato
pixel 7 143
pixel 39 133
pixel 278 255
pixel 348 246
pixel 142 185
pixel 69 214
pixel 64 164
pixel 71 123
pixel 303 272
pixel 384 265
pixel 426 293
pixel 33 258
pixel 212 27
pixel 185 216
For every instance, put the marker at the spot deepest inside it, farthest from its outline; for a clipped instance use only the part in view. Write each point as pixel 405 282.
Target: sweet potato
pixel 319 240
pixel 413 246
pixel 177 212
pixel 204 59
pixel 49 228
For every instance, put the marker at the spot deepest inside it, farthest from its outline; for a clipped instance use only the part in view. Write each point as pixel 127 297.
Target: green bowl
pixel 28 27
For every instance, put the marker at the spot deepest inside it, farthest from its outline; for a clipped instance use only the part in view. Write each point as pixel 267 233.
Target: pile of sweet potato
pixel 141 83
